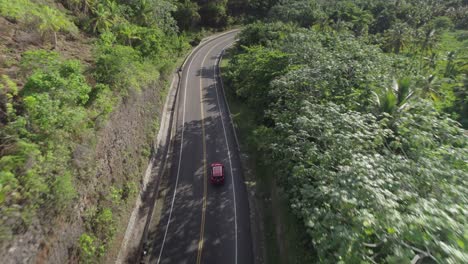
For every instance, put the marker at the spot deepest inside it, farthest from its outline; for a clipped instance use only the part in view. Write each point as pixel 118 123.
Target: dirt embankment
pixel 115 155
pixel 119 157
pixel 16 38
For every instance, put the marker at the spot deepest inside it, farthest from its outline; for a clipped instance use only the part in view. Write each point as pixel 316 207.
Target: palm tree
pixel 395 99
pixel 397 37
pixel 324 24
pixel 88 5
pixel 450 69
pixel 361 22
pixel 73 5
pixel 129 32
pixel 113 7
pixel 429 88
pixel 427 40
pixel 102 20
pixel 430 61
pixel 145 12
pixel 51 22
pixel 340 25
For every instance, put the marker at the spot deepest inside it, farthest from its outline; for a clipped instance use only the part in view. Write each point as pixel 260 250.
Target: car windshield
pixel 217 171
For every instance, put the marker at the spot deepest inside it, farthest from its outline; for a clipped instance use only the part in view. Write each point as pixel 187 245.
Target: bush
pixel 442 23
pixel 34 60
pixel 213 14
pixel 66 84
pixel 22 188
pixel 8 91
pixel 304 13
pixel 252 72
pixel 104 225
pixel 35 162
pixel 49 112
pixel 102 101
pixel 63 191
pixel 123 69
pixel 116 196
pixel 90 248
pixel 100 227
pixel 264 34
pixel 187 14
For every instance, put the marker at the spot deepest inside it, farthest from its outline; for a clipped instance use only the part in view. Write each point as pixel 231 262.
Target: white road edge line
pixel 131 222
pixel 226 101
pixel 180 158
pixel 202 229
pixel 181 148
pixel 227 145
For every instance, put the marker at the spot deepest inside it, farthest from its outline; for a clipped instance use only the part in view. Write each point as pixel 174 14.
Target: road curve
pixel 202 223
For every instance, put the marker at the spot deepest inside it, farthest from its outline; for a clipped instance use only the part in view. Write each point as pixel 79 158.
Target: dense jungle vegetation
pixel 359 109
pixel 51 104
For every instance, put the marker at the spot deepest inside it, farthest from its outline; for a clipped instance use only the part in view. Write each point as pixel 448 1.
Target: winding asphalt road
pixel 202 223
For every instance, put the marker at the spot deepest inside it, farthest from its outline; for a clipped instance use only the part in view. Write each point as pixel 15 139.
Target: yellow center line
pixel 205 176
pixel 202 228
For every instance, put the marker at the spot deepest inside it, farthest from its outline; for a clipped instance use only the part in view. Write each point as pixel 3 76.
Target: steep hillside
pixel 75 134
pixel 81 87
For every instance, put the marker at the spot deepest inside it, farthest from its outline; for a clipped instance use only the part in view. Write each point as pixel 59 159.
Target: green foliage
pixel 460 103
pixel 214 13
pixel 130 189
pixel 101 227
pixel 442 22
pixel 329 67
pixel 372 169
pixel 63 191
pixel 102 102
pixel 34 60
pixel 304 13
pixel 54 98
pixel 132 56
pixel 359 19
pixel 258 9
pixel 252 72
pixel 122 68
pixel 42 17
pixel 157 13
pixel 397 37
pixel 65 83
pixel 104 15
pixel 35 162
pixel 391 100
pixel 104 225
pixel 187 15
pixel 264 34
pixel 8 91
pixel 116 195
pixel 151 44
pixel 50 20
pixel 21 185
pixel 417 31
pixel 90 248
pixel 62 104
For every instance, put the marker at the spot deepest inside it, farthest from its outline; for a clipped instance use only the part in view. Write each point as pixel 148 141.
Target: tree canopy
pixel 349 118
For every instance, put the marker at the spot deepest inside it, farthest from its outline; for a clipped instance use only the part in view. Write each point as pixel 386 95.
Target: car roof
pixel 217 170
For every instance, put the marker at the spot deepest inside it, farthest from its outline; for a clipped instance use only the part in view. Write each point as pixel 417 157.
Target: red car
pixel 217 173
